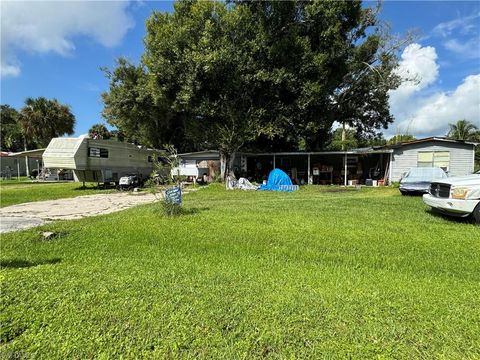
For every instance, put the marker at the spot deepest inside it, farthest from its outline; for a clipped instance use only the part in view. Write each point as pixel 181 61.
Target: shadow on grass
pixel 93 187
pixel 413 193
pixel 453 219
pixel 19 263
pixel 341 189
pixel 194 211
pixel 159 209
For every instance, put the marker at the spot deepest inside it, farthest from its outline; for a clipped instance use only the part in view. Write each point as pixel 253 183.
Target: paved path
pixel 27 215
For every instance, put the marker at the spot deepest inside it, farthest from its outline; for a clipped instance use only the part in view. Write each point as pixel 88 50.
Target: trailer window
pixel 439 159
pixel 97 152
pixel 150 159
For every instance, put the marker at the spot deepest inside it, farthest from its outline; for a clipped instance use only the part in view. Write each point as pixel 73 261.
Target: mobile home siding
pixel 122 158
pixel 120 155
pixel 461 157
pixel 59 154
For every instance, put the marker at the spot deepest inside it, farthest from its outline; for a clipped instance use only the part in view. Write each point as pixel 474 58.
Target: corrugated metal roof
pixel 432 138
pixel 31 153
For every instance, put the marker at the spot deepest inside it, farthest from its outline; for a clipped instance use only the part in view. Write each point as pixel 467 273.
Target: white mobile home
pixel 199 164
pixel 456 157
pixel 96 160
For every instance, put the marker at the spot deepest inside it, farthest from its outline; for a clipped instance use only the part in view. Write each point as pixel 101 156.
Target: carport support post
pixel 18 168
pixel 309 176
pixel 390 170
pixel 274 161
pixel 27 166
pixel 345 170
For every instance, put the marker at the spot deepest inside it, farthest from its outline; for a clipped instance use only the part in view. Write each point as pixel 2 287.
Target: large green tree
pixel 11 137
pixel 42 119
pixel 227 75
pixel 129 106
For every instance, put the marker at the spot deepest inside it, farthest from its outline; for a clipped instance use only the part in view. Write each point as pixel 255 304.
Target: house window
pixel 149 158
pixel 439 159
pixel 97 152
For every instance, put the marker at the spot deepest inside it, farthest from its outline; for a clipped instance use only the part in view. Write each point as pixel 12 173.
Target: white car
pixel 456 196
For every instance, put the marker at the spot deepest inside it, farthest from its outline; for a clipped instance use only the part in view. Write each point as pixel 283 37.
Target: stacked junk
pixel 278 180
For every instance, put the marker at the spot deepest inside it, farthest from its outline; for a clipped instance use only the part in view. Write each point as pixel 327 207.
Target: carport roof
pixel 348 152
pixel 30 153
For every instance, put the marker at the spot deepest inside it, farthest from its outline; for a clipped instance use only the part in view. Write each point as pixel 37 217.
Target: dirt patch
pixel 27 215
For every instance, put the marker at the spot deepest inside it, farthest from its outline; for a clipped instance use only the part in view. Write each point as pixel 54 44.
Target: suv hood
pixel 469 180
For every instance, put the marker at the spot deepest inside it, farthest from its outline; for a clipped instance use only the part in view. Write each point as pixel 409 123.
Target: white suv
pixel 456 196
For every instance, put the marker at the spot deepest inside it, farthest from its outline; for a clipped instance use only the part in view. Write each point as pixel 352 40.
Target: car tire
pixel 404 193
pixel 476 215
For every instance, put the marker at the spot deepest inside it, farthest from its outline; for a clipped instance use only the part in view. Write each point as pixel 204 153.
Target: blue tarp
pixel 278 181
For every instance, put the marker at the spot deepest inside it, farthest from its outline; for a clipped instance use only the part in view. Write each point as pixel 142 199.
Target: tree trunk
pixel 226 164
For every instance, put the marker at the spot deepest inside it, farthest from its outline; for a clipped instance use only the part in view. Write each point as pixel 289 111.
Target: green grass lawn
pixel 311 274
pixel 17 192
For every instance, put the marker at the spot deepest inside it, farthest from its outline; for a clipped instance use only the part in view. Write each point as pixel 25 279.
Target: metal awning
pixel 37 153
pixel 348 152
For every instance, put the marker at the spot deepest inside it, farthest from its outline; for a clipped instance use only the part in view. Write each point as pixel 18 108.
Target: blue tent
pixel 278 181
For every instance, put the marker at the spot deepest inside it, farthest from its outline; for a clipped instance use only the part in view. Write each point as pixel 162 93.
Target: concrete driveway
pixel 27 215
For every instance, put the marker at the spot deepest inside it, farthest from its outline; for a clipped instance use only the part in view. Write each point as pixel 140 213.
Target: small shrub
pixel 171 209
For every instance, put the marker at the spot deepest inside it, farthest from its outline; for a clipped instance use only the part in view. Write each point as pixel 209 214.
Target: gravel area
pixel 27 215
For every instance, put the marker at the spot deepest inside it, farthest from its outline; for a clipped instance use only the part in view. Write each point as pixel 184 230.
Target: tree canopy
pixel 42 119
pixel 464 130
pixel 400 138
pixel 99 131
pixel 255 74
pixel 10 131
pixel 35 124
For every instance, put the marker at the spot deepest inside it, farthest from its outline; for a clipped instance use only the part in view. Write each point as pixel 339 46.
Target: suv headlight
pixel 460 193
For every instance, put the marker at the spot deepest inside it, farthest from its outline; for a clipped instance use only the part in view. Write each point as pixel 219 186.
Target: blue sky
pixel 56 49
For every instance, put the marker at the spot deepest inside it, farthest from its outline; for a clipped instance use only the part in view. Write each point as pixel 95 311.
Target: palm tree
pixel 99 131
pixel 42 119
pixel 462 130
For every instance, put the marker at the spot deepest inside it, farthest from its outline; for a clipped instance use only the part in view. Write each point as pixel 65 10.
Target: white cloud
pixel 438 110
pixel 425 115
pixel 41 27
pixel 469 49
pixel 419 69
pixel 9 69
pixel 461 36
pixel 466 25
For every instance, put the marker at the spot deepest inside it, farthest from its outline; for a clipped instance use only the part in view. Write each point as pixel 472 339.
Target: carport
pixel 356 166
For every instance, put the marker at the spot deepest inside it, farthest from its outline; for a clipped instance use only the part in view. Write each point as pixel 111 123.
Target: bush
pixel 171 209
